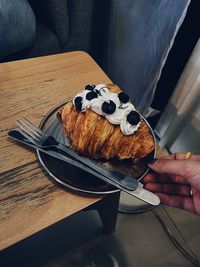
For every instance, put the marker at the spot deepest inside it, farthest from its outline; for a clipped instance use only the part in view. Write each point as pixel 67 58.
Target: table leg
pixel 108 210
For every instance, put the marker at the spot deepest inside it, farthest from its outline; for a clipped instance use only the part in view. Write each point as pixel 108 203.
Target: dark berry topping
pixel 78 100
pixel 124 98
pixel 91 95
pixel 133 118
pixel 108 107
pixel 90 87
pixel 79 107
pixel 98 92
pixel 78 103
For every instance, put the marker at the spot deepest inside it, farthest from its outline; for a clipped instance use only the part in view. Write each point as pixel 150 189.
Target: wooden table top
pixel 29 201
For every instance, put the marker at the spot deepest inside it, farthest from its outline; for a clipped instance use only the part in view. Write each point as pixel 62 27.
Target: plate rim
pixel 41 125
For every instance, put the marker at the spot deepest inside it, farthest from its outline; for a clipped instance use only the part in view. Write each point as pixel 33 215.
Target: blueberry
pixel 108 107
pixel 124 98
pixel 91 95
pixel 79 107
pixel 78 103
pixel 133 118
pixel 90 87
pixel 78 100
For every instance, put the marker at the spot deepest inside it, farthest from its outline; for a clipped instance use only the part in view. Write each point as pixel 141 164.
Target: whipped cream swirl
pixel 118 117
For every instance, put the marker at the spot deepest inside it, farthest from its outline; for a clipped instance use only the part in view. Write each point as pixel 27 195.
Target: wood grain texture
pixel 32 87
pixel 29 201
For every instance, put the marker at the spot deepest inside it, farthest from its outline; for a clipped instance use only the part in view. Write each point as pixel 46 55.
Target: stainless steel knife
pixel 134 188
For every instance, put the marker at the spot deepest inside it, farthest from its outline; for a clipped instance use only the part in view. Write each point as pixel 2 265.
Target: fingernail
pixel 153 161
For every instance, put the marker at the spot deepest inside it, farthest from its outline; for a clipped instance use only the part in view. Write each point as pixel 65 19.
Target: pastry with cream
pixel 101 122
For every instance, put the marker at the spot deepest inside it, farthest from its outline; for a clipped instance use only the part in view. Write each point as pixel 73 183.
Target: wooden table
pixel 29 201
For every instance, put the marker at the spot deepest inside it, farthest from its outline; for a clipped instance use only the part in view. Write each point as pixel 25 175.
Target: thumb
pixel 184 168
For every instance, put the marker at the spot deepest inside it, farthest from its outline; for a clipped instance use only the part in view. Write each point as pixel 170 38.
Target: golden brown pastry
pixel 102 123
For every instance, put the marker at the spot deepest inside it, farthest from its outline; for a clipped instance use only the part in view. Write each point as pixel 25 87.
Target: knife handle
pixel 145 195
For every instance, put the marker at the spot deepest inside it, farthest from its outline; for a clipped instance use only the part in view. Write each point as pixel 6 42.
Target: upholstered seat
pixel 33 28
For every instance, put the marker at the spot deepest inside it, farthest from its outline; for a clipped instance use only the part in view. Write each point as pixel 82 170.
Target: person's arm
pixel 176 181
pixel 17 26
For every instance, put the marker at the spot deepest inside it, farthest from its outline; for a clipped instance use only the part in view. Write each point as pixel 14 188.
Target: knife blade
pixel 136 190
pixel 125 181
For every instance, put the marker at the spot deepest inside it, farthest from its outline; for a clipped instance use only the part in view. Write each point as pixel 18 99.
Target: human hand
pixel 173 178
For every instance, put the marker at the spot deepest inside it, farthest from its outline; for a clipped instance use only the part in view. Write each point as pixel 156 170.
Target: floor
pixel 139 240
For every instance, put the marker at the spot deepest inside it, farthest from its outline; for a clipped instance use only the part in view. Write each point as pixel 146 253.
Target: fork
pixel 47 144
pixel 37 137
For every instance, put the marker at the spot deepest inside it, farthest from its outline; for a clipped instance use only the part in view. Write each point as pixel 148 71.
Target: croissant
pixel 94 135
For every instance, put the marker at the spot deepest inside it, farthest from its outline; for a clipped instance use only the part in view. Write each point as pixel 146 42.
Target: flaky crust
pixel 93 135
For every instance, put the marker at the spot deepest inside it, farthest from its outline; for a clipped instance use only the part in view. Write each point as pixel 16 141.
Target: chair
pixel 35 28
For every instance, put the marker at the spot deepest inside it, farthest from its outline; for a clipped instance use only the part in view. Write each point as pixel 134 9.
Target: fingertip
pixel 153 161
pixel 149 177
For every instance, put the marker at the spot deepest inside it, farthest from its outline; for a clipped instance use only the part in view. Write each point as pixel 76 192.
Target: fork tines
pixel 29 129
